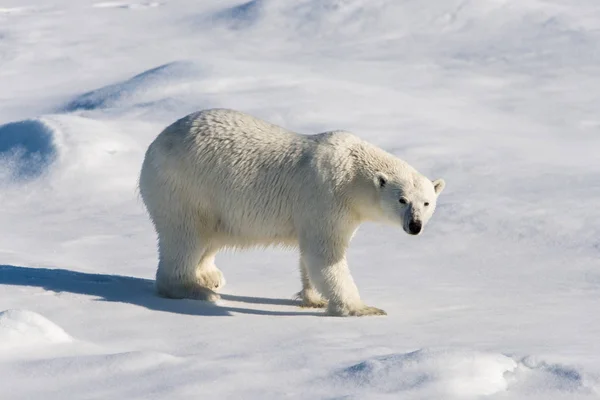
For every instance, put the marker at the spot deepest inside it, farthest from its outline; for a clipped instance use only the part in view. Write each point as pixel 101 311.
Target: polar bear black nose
pixel 414 227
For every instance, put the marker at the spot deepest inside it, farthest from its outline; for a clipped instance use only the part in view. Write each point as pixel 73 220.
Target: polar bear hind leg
pixel 185 266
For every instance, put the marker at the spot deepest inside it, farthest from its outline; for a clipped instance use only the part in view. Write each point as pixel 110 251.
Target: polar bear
pixel 220 179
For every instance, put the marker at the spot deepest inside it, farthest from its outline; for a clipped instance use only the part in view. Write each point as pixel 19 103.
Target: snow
pixel 453 372
pixel 435 373
pixel 20 327
pixel 26 148
pixel 498 298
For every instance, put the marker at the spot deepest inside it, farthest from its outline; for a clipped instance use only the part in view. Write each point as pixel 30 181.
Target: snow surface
pixel 500 295
pixel 22 327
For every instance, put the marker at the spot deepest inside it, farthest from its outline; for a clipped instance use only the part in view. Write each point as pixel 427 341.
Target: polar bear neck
pixel 368 160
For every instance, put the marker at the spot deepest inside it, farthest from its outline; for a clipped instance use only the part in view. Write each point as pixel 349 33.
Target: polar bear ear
pixel 381 180
pixel 439 185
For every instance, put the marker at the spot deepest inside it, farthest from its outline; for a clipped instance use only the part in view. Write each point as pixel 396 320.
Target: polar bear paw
pixel 367 311
pixel 211 278
pixel 311 299
pixel 362 311
pixel 187 291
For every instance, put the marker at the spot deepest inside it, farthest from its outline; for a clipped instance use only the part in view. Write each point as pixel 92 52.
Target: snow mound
pixel 439 372
pixel 242 15
pixel 452 373
pixel 472 31
pixel 27 148
pixel 534 376
pixel 160 84
pixel 312 17
pixel 23 327
pixel 64 145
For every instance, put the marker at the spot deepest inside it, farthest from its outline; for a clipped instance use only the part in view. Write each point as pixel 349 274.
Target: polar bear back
pixel 246 177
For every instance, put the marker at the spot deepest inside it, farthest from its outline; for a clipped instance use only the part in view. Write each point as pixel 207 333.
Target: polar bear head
pixel 407 198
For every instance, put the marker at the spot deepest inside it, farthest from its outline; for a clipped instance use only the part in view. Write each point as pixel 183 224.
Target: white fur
pixel 220 178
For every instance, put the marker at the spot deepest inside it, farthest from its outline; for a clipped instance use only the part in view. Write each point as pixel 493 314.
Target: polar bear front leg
pixel 309 296
pixel 328 271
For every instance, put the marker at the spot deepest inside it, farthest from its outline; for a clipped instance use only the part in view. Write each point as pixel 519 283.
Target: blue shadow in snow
pixel 27 147
pixel 242 16
pixel 131 290
pixel 135 89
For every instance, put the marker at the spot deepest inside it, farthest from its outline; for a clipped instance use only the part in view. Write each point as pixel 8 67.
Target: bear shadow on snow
pixel 131 290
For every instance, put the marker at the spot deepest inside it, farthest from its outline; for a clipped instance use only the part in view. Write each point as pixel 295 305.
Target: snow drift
pixel 459 373
pixel 63 146
pixel 25 328
pixel 27 148
pixel 160 84
pixel 439 372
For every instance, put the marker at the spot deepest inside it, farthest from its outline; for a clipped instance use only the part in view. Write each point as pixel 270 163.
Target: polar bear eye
pixel 402 200
pixel 426 204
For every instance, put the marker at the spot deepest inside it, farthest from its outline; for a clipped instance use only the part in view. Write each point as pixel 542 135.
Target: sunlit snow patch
pixel 131 6
pixel 537 376
pixel 450 372
pixel 15 10
pixel 23 327
pixel 112 364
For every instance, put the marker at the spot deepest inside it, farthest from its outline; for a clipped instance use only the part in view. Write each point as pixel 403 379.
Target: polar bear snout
pixel 415 226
